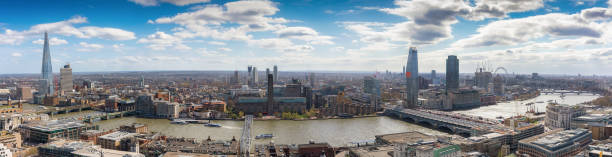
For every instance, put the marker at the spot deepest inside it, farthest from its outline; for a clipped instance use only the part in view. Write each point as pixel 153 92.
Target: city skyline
pixel 339 36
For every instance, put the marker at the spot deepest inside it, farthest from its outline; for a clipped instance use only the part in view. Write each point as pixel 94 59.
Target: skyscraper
pixel 66 83
pixel 268 72
pixel 250 75
pixel 275 73
pixel 434 79
pixel 312 80
pixel 452 73
pixel 270 95
pixel 255 76
pixel 412 82
pixel 46 82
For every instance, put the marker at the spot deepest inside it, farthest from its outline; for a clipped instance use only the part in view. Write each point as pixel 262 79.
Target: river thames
pixel 337 132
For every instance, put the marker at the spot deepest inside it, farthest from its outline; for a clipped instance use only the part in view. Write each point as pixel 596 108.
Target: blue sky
pixel 545 36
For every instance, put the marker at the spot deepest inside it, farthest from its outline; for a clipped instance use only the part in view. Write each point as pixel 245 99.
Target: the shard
pixel 412 82
pixel 46 82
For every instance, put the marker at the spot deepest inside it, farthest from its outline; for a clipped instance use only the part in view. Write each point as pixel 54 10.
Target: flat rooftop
pixel 53 125
pixel 412 138
pixel 556 140
pixel 117 135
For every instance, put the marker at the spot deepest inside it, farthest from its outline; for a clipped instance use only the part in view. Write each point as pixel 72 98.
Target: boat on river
pixel 264 136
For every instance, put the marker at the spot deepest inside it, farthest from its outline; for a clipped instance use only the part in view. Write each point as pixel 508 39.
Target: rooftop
pixel 556 139
pixel 117 135
pixel 53 125
pixel 412 138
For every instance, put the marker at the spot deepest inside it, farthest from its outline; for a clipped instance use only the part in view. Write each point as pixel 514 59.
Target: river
pixel 337 132
pixel 512 108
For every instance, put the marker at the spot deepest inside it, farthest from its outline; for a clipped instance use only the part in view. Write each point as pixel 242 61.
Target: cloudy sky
pixel 524 36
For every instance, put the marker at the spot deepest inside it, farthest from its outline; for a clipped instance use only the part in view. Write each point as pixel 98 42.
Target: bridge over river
pixel 463 125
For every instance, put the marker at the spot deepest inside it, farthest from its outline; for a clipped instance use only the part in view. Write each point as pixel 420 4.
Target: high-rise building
pixel 249 80
pixel 483 78
pixel 270 95
pixel 434 79
pixel 275 73
pixel 255 76
pixel 46 81
pixel 235 80
pixel 452 73
pixel 312 80
pixel 66 83
pixel 412 82
pixel 371 85
pixel 267 72
pixel 141 83
pixel 498 85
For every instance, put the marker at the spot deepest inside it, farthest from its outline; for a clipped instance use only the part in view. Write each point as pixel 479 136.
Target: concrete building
pixel 556 143
pixel 452 73
pixel 561 115
pixel 134 128
pixel 67 148
pixel 483 78
pixel 24 93
pixel 412 82
pixel 464 99
pixel 113 140
pixel 371 85
pixel 66 84
pixel 498 85
pixel 168 110
pixel 409 144
pixel 10 121
pixel 44 131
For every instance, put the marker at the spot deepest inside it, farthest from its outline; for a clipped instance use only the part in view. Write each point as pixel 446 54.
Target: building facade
pixel 452 73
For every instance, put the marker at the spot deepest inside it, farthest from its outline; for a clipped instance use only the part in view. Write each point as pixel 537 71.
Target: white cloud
pixel 16 54
pixel 66 28
pixel 515 31
pixel 86 47
pixel 52 41
pixel 216 43
pixel 118 47
pixel 207 53
pixel 225 49
pixel 304 33
pixel 148 3
pixel 161 40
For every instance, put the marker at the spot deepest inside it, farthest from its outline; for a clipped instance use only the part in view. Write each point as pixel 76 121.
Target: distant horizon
pixel 552 37
pixel 293 71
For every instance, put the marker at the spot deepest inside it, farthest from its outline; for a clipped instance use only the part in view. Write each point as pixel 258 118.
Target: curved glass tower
pixel 46 82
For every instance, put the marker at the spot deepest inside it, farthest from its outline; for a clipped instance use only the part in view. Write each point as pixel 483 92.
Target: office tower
pixel 24 93
pixel 452 73
pixel 141 83
pixel 404 70
pixel 483 78
pixel 434 79
pixel 250 75
pixel 267 71
pixel 371 85
pixel 275 73
pixel 270 94
pixel 235 80
pixel 46 82
pixel 255 76
pixel 498 85
pixel 312 80
pixel 412 82
pixel 66 79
